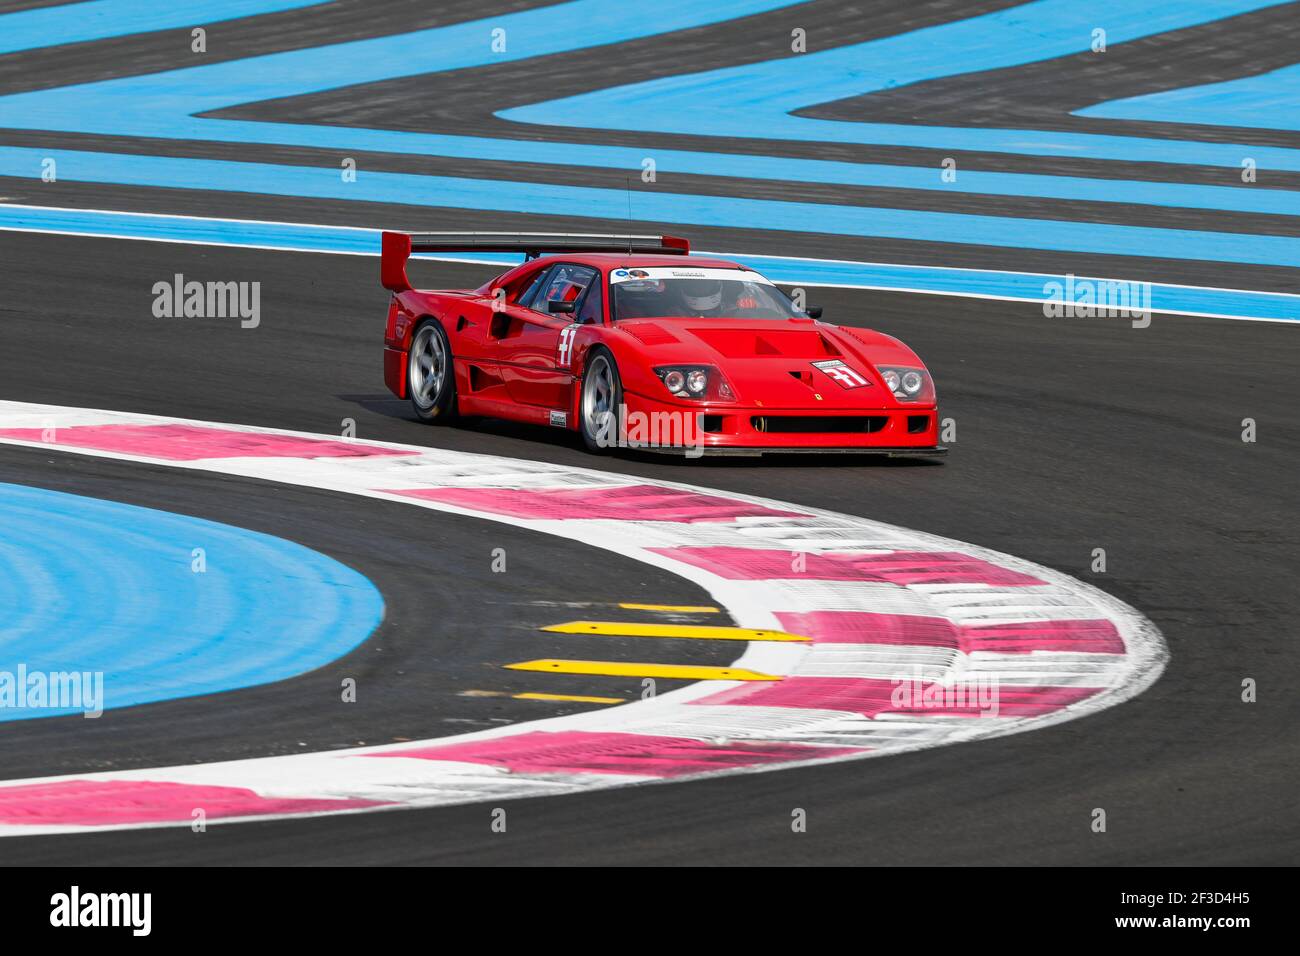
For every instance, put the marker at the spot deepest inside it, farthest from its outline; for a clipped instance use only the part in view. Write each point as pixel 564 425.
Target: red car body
pixel 786 384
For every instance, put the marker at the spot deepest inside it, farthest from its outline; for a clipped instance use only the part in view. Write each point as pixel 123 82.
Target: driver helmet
pixel 701 295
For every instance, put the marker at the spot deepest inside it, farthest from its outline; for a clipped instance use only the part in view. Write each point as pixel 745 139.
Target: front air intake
pixel 819 424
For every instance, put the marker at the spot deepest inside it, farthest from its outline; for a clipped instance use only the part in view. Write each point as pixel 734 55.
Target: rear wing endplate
pixel 398 246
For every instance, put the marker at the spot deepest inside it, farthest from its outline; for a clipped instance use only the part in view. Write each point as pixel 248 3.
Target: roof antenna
pixel 629 216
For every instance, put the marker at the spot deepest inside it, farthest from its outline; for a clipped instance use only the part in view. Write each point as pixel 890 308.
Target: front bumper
pixel 655 425
pixel 740 451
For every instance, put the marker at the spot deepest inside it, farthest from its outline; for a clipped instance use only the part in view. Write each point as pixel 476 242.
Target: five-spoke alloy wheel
pixel 602 394
pixel 430 378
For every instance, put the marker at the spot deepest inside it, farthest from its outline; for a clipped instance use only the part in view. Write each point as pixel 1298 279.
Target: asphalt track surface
pixel 1072 434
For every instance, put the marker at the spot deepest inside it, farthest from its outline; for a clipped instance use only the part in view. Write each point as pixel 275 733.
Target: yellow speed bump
pixel 571 698
pixel 671 608
pixel 691 631
pixel 620 669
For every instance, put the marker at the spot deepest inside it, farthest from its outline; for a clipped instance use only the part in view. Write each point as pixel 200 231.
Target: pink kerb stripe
pixel 576 751
pixel 871 697
pixel 191 442
pixel 892 567
pixel 626 502
pixel 115 802
pixel 1076 637
pixel 867 627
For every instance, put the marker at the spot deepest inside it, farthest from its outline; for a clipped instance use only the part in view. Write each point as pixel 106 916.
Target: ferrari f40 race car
pixel 633 343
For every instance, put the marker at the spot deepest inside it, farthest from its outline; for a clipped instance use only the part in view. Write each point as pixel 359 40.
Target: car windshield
pixel 696 293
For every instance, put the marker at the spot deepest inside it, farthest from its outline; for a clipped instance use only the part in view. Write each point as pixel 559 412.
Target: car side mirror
pixel 557 306
pixel 814 312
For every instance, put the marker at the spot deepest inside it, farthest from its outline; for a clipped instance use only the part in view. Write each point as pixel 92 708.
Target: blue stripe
pixel 101 19
pixel 758 100
pixel 1268 101
pixel 560 28
pixel 163 104
pixel 345 239
pixel 650 205
pixel 96 586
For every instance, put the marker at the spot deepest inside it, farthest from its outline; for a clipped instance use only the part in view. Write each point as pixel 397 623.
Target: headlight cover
pixel 698 382
pixel 907 384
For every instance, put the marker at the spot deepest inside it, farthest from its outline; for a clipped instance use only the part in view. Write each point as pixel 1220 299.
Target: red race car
pixel 632 344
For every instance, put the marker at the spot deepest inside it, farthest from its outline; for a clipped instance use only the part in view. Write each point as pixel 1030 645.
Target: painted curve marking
pixel 886 608
pixel 166 105
pixel 100 587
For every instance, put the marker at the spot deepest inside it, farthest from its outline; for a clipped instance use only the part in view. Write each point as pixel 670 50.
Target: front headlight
pixel 908 384
pixel 701 382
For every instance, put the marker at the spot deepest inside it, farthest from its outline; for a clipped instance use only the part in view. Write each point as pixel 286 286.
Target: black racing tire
pixel 430 374
pixel 602 394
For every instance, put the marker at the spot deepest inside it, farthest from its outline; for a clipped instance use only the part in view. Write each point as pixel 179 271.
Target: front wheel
pixel 602 394
pixel 430 378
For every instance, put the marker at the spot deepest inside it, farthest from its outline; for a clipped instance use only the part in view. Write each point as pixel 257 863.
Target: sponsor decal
pixel 559 419
pixel 659 273
pixel 845 376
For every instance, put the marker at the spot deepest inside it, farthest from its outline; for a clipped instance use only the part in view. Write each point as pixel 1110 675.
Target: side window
pixel 564 283
pixel 531 292
pixel 591 312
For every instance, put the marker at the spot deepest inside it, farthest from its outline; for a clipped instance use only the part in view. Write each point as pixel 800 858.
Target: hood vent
pixel 648 333
pixel 742 342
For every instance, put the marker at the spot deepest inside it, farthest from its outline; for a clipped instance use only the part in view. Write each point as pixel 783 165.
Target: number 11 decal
pixel 567 335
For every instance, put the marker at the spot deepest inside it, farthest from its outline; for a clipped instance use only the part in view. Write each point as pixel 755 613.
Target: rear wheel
pixel 430 378
pixel 602 394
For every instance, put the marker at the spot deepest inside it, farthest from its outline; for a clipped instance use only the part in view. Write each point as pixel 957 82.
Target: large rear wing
pixel 398 246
